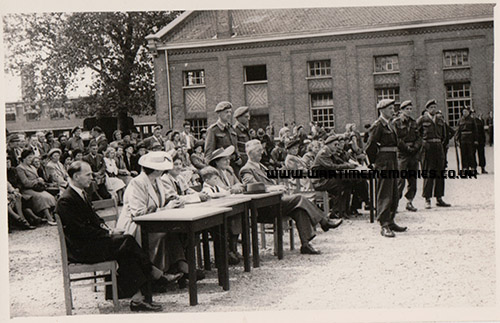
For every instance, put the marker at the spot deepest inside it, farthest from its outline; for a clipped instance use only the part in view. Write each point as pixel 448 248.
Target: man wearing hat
pixel 431 131
pixel 294 162
pixel 222 135
pixel 155 138
pixel 305 214
pixel 467 137
pixel 382 149
pixel 327 159
pixel 409 144
pixel 14 150
pixel 187 137
pixel 241 127
pixel 100 138
pixel 75 142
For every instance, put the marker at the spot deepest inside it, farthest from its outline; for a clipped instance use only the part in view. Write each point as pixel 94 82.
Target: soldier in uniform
pixel 481 141
pixel 409 144
pixel 241 127
pixel 431 131
pixel 222 135
pixel 467 137
pixel 382 149
pixel 449 133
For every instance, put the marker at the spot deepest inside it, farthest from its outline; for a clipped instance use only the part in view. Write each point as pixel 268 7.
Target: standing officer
pixel 241 127
pixel 382 151
pixel 409 144
pixel 467 137
pixel 481 141
pixel 222 135
pixel 431 131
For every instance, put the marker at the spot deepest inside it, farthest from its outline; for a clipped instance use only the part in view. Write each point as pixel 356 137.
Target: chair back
pixel 106 209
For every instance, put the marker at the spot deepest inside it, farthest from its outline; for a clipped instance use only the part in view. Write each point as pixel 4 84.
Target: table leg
pixel 371 200
pixel 224 255
pixel 217 251
pixel 206 250
pixel 279 227
pixel 193 293
pixel 245 238
pixel 255 236
pixel 145 247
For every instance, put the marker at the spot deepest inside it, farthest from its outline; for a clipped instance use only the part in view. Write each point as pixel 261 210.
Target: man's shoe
pixel 52 223
pixel 483 171
pixel 442 203
pixel 428 204
pixel 410 207
pixel 330 224
pixel 307 249
pixel 167 279
pixel 143 306
pixel 334 215
pixel 396 228
pixel 387 232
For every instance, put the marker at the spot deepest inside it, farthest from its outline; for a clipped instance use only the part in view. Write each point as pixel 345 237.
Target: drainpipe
pixel 170 118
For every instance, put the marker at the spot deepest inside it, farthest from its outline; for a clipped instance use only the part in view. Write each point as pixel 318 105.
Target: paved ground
pixel 446 259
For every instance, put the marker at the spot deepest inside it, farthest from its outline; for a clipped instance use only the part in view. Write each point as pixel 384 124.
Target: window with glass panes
pixel 197 125
pixel 458 95
pixel 455 58
pixel 10 112
pixel 388 93
pixel 319 68
pixel 388 63
pixel 194 78
pixel 322 109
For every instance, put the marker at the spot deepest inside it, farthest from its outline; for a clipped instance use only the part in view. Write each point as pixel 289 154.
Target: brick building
pixel 330 65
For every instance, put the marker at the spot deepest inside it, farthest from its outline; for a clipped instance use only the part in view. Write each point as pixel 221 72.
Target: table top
pixel 263 195
pixel 182 214
pixel 226 201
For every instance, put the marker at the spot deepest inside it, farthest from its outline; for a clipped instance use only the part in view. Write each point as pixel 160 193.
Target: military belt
pixel 466 132
pixel 388 149
pixel 433 140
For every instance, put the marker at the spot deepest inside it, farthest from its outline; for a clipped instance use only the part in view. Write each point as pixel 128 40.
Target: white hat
pixel 252 145
pixel 158 160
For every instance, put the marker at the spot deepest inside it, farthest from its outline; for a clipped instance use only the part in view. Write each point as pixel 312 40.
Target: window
pixel 194 78
pixel 386 64
pixel 10 112
pixel 454 58
pixel 319 68
pixel 255 73
pixel 458 95
pixel 322 110
pixel 388 93
pixel 197 125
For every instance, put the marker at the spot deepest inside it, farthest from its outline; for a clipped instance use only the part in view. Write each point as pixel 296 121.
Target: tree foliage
pixel 54 48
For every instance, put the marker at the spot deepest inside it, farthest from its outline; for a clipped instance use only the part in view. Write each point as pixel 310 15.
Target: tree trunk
pixel 122 121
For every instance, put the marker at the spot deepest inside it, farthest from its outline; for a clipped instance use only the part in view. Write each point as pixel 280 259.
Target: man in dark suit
pixel 481 140
pixel 156 138
pixel 96 161
pixel 99 138
pixel 305 214
pixel 90 240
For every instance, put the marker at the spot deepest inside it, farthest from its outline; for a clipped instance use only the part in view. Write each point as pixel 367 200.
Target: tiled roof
pixel 201 25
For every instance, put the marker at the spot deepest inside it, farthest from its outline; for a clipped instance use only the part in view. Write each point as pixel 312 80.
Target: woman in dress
pixel 114 185
pixel 55 169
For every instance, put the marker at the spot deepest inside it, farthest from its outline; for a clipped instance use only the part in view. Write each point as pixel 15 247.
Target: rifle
pixel 456 155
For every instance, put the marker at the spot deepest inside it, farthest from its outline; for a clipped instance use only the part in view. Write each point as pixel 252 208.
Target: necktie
pixel 216 189
pixel 178 188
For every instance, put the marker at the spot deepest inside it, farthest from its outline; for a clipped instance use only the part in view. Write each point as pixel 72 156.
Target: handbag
pixel 39 187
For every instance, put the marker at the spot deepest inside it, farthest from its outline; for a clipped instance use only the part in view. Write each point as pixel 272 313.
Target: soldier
pixel 381 149
pixel 431 130
pixel 449 133
pixel 481 141
pixel 467 137
pixel 241 127
pixel 409 144
pixel 222 135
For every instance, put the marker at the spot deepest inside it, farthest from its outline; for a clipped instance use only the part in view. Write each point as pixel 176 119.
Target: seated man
pixel 90 240
pixel 305 214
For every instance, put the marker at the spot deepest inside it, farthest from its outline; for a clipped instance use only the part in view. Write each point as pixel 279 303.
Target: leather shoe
pixel 396 228
pixel 330 224
pixel 442 203
pixel 387 232
pixel 307 249
pixel 428 204
pixel 232 258
pixel 143 306
pixel 410 207
pixel 167 279
pixel 334 215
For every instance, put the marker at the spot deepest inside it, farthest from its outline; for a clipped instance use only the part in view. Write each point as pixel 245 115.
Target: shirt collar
pixel 220 124
pixel 384 119
pixel 78 190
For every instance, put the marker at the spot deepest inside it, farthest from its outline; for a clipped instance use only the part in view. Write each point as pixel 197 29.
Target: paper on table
pixel 190 198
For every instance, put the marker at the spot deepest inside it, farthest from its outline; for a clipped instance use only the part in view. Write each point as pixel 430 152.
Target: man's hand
pixel 116 232
pixel 174 204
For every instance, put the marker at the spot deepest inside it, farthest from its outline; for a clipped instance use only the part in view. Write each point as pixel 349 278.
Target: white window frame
pixel 321 68
pixel 456 58
pixel 326 109
pixel 455 102
pixel 200 77
pixel 388 64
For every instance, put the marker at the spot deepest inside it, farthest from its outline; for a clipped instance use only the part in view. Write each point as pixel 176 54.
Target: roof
pixel 200 26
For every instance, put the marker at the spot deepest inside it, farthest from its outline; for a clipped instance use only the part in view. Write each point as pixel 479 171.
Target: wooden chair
pixel 106 209
pixel 77 268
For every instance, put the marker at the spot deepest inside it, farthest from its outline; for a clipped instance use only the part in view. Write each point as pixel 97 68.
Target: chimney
pixel 224 24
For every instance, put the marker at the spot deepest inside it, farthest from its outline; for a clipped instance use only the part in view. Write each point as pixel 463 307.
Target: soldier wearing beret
pixel 467 137
pixel 431 131
pixel 409 144
pixel 222 135
pixel 382 151
pixel 241 127
pixel 481 140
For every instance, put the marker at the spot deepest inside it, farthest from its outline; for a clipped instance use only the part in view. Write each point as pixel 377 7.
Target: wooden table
pixel 190 221
pixel 261 201
pixel 239 204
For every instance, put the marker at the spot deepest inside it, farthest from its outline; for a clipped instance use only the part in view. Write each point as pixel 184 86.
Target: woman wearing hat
pixel 294 162
pixel 146 194
pixel 75 142
pixel 198 157
pixel 32 186
pixel 55 169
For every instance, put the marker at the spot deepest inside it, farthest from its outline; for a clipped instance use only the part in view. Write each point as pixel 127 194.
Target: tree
pixel 53 48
